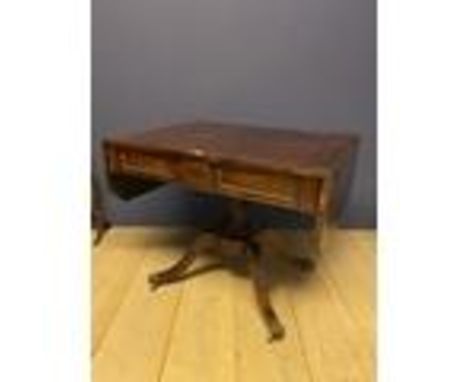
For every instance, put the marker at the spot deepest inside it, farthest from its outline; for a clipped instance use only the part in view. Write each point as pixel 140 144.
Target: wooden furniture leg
pixel 261 288
pixel 315 242
pixel 102 225
pixel 302 263
pixel 318 235
pixel 174 272
pixel 99 219
pixel 323 220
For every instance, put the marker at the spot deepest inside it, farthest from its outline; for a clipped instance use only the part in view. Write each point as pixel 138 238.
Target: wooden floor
pixel 208 329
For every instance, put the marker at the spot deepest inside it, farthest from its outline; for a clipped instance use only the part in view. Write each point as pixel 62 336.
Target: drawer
pixel 193 172
pixel 259 185
pixel 142 164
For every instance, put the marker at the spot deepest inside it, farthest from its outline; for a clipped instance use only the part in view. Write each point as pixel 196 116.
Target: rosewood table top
pixel 294 151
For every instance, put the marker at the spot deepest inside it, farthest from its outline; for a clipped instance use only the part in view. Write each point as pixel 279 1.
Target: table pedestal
pixel 236 227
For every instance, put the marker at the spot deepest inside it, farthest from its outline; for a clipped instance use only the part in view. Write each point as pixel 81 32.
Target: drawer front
pixel 258 185
pixel 142 164
pixel 193 172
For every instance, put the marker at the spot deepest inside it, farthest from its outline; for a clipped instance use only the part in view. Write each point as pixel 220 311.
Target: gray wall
pixel 288 63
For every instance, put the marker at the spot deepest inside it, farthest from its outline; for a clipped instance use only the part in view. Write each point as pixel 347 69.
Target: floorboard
pixel 113 270
pixel 137 339
pixel 202 345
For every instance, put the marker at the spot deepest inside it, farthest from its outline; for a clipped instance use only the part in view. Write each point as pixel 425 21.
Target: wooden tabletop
pixel 285 149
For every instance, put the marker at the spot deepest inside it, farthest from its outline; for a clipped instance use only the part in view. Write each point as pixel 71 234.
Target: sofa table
pixel 307 172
